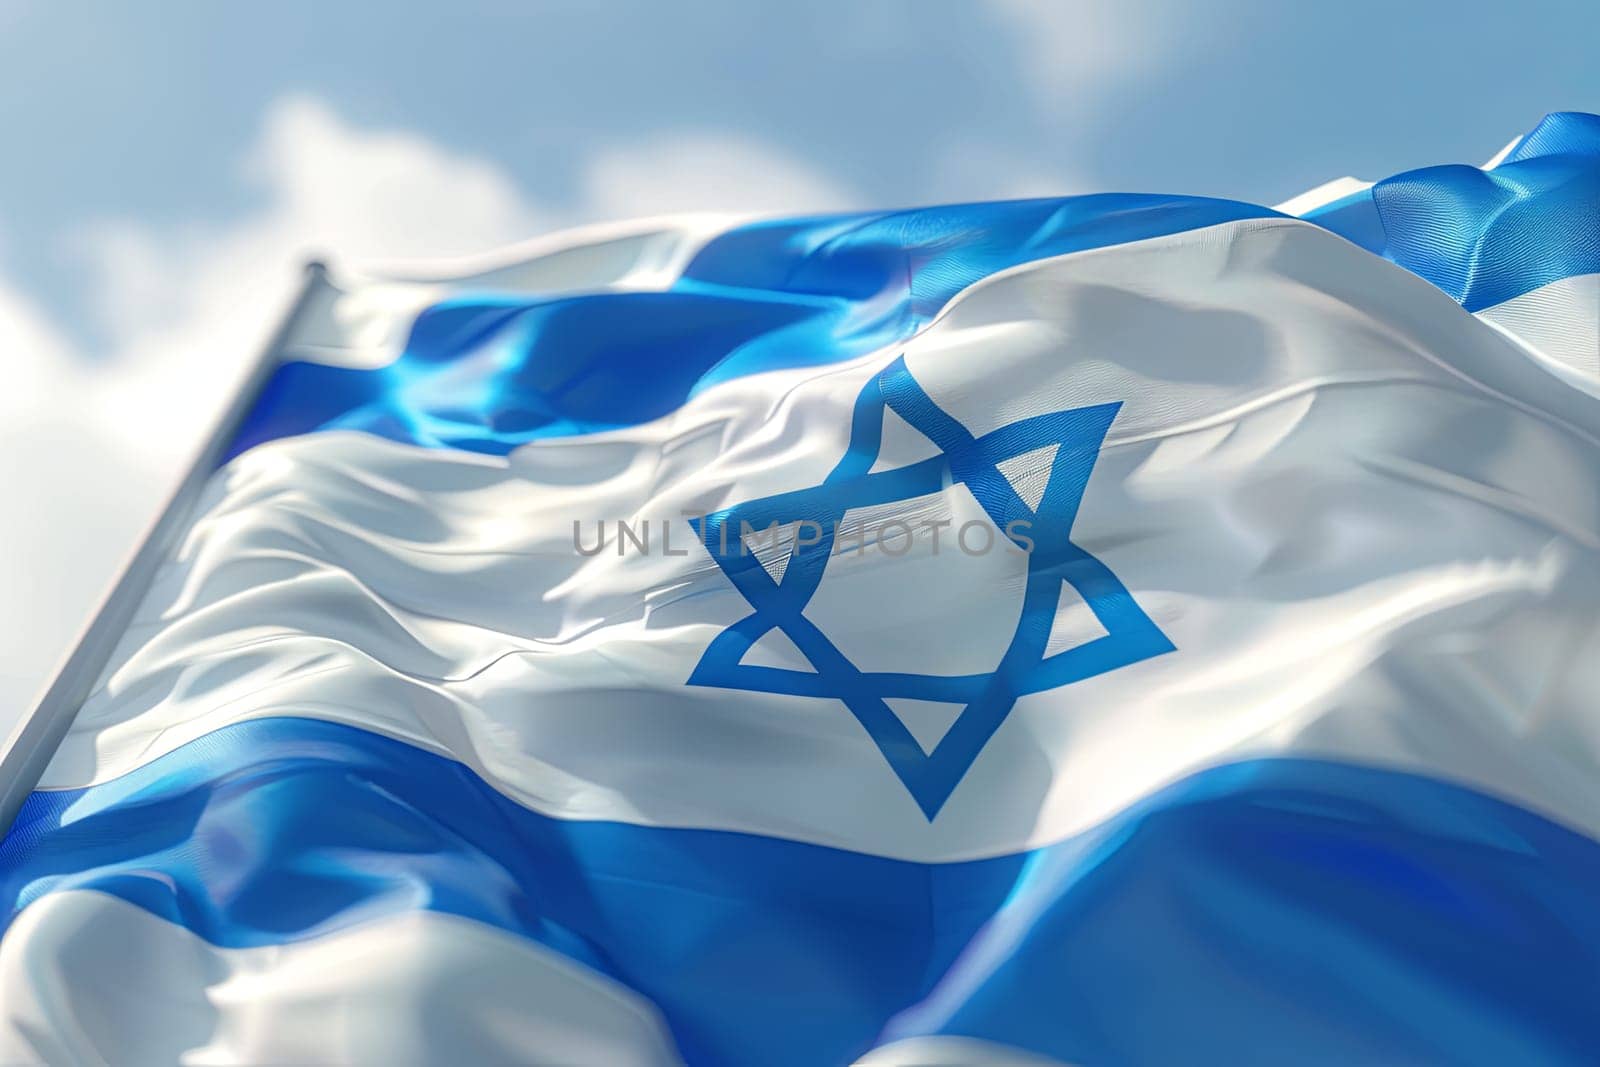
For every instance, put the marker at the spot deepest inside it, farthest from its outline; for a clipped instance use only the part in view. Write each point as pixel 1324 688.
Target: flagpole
pixel 34 740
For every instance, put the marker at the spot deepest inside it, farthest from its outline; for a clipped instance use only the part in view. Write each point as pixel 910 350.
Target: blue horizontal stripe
pixel 1271 911
pixel 1487 236
pixel 1561 133
pixel 487 373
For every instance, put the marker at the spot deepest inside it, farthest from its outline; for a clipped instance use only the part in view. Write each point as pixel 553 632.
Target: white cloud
pixel 704 172
pixel 977 170
pixel 88 448
pixel 1075 52
pixel 1074 58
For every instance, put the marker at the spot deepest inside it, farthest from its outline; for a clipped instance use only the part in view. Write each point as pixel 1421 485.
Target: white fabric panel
pixel 1559 322
pixel 92 979
pixel 1367 521
pixel 951 1052
pixel 1500 156
pixel 361 320
pixel 1326 193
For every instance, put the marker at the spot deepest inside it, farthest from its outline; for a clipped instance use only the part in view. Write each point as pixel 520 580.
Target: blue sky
pixel 144 111
pixel 169 163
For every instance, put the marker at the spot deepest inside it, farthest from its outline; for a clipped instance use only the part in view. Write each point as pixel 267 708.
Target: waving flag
pixel 1114 629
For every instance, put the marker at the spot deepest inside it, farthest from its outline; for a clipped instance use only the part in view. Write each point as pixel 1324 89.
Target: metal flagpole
pixel 34 740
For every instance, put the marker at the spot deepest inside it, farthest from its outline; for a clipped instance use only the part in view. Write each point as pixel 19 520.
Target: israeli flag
pixel 1115 629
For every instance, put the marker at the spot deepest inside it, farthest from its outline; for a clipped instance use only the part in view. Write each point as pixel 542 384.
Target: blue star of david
pixel 930 777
